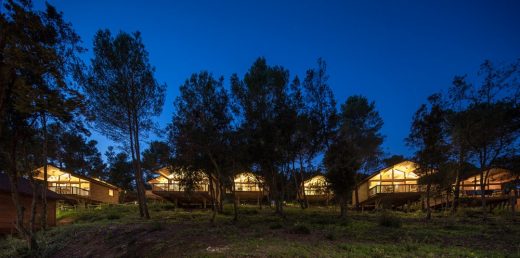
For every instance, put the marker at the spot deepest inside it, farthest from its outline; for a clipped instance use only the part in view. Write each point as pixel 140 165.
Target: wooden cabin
pixel 316 189
pixel 168 184
pixel 78 188
pixel 8 209
pixel 250 187
pixel 389 187
pixel 495 187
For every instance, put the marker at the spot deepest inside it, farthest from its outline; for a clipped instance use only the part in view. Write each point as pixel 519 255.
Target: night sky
pixel 394 52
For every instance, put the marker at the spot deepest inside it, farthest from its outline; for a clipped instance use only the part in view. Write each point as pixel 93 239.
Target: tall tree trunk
pixel 306 201
pixel 32 219
pixel 213 197
pixel 356 195
pixel 45 181
pixel 514 199
pixel 140 180
pixel 134 165
pixel 343 207
pixel 235 204
pixel 297 186
pixel 483 190
pixel 428 208
pixel 456 193
pixel 13 176
pixel 277 196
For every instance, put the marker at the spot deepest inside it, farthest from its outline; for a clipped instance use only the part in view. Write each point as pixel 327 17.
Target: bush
pixel 275 226
pixel 112 216
pixel 88 216
pixel 387 219
pixel 470 213
pixel 299 228
pixel 450 223
pixel 156 226
pixel 331 236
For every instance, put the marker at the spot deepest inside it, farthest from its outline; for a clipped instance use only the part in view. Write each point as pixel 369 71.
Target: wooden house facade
pixel 25 190
pixel 500 186
pixel 169 185
pixel 250 188
pixel 78 188
pixel 316 189
pixel 389 187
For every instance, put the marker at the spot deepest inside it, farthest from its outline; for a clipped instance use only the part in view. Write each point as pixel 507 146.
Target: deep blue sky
pixel 394 52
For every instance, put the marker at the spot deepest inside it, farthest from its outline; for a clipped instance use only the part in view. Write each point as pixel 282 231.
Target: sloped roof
pixel 24 187
pixel 90 179
pixel 407 165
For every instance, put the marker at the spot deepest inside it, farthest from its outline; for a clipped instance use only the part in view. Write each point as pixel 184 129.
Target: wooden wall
pixel 8 212
pixel 362 193
pixel 99 193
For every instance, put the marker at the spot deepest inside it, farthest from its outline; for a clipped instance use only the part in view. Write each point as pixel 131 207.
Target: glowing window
pixel 110 192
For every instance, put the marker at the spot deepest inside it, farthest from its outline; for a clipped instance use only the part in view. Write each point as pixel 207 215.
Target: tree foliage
pixel 124 95
pixel 355 146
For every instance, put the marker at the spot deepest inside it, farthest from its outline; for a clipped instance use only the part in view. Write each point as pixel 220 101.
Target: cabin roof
pixel 90 179
pixel 166 172
pixel 313 177
pixel 493 172
pixel 258 178
pixel 24 187
pixel 407 166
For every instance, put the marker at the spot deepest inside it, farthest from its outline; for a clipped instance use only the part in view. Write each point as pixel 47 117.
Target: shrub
pixel 89 216
pixel 387 219
pixel 300 228
pixel 246 211
pixel 450 223
pixel 331 236
pixel 470 213
pixel 112 216
pixel 276 226
pixel 156 226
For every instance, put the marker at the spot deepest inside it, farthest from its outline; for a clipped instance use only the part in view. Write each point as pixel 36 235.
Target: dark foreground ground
pixel 315 232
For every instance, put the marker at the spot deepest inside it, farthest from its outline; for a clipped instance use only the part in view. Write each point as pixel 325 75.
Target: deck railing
pixel 176 187
pixel 247 187
pixel 395 189
pixel 487 193
pixel 316 190
pixel 72 190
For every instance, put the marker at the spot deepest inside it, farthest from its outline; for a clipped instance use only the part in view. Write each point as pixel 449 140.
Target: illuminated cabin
pixel 78 188
pixel 250 187
pixel 495 186
pixel 392 186
pixel 168 185
pixel 316 189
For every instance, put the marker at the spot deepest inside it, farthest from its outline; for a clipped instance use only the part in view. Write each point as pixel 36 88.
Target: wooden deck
pixel 175 193
pixel 392 195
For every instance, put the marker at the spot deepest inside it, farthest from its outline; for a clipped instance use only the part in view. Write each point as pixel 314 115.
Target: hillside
pixel 118 232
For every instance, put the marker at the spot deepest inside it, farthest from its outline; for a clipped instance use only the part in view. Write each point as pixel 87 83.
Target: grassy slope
pixel 117 231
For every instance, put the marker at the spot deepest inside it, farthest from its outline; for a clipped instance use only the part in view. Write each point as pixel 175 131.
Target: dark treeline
pixel 267 121
pixel 473 126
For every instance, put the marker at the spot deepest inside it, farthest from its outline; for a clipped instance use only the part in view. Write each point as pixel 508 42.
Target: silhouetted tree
pixel 267 113
pixel 489 113
pixel 356 145
pixel 124 95
pixel 429 137
pixel 392 160
pixel 199 130
pixel 70 150
pixel 157 155
pixel 37 50
pixel 316 119
pixel 119 169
